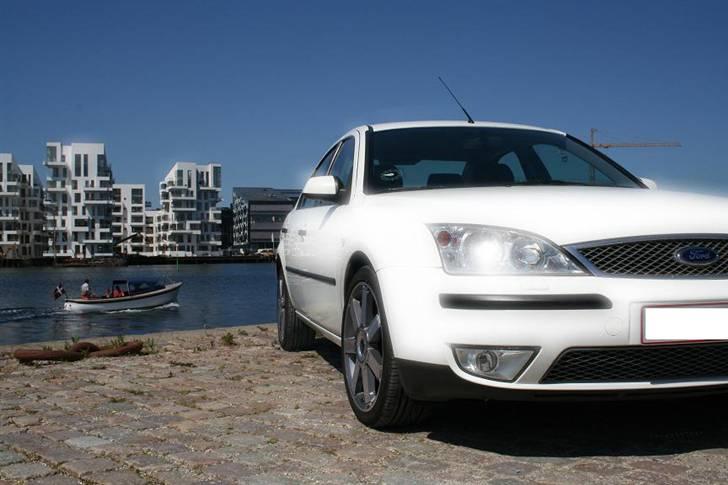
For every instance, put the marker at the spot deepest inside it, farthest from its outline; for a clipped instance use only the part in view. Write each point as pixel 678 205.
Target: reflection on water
pixel 212 296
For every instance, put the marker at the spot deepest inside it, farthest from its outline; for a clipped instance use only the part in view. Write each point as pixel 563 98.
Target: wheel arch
pixel 357 260
pixel 281 272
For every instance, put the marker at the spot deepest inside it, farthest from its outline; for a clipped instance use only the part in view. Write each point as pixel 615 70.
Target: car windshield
pixel 448 157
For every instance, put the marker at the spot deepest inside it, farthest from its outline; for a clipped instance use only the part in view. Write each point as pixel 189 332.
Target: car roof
pixel 443 123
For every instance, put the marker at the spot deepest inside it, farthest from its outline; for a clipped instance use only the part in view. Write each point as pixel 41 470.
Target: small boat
pixel 135 294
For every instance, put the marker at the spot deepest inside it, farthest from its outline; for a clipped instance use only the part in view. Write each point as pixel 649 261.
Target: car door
pixel 325 235
pixel 296 247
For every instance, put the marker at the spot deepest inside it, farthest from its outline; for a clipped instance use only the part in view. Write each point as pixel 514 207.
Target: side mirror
pixel 651 184
pixel 325 187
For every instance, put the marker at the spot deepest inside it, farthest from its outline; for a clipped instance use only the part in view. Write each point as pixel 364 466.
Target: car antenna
pixel 470 119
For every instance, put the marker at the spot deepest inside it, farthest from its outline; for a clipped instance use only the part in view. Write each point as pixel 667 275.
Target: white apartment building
pixel 21 210
pixel 189 195
pixel 128 218
pixel 153 231
pixel 79 200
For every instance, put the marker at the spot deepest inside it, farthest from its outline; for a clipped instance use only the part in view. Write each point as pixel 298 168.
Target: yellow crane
pixel 658 144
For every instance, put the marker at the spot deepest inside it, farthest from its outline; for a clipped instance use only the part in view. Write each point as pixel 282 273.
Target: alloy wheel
pixel 362 345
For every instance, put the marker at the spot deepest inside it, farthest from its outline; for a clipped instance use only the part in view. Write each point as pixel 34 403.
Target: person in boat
pixel 85 290
pixel 117 292
pixel 107 293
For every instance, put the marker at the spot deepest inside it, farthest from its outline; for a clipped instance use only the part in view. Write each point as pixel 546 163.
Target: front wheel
pixel 372 379
pixel 293 334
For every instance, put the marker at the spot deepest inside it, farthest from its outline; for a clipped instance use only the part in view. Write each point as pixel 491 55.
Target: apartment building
pixel 153 232
pixel 190 219
pixel 78 200
pixel 21 210
pixel 128 218
pixel 258 215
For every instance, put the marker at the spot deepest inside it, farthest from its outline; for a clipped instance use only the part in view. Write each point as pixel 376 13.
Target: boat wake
pixel 26 313
pixel 168 306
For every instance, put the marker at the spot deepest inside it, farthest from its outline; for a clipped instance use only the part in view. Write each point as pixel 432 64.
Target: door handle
pixel 302 232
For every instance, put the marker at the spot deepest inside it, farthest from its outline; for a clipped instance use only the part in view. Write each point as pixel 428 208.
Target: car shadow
pixel 573 429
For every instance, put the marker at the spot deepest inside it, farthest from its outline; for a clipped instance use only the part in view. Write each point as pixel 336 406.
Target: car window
pixel 343 166
pixel 566 166
pixel 451 157
pixel 321 169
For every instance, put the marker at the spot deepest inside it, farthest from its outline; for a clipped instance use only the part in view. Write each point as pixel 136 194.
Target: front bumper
pixel 430 382
pixel 605 312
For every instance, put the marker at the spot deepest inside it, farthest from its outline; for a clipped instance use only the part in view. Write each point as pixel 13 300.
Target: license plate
pixel 684 324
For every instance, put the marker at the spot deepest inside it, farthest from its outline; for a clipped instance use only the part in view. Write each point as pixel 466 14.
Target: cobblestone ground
pixel 200 411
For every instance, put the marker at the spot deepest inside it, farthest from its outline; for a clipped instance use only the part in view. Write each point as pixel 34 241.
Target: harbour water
pixel 215 295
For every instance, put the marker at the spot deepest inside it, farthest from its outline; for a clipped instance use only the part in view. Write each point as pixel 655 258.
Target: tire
pixel 293 334
pixel 376 402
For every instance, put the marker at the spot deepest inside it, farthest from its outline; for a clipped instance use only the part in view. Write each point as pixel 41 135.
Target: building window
pixel 51 154
pixel 217 177
pixel 85 165
pixel 77 165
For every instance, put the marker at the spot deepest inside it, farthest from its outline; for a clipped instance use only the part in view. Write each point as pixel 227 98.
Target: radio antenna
pixel 467 115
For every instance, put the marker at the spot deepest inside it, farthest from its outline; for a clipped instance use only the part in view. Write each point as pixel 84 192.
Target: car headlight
pixel 473 249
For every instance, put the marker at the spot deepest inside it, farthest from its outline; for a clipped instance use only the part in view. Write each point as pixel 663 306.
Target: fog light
pixel 487 361
pixel 494 363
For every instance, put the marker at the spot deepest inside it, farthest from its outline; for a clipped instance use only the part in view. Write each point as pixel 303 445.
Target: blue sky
pixel 265 87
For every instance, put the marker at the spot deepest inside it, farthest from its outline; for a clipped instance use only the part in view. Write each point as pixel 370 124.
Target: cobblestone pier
pixel 206 408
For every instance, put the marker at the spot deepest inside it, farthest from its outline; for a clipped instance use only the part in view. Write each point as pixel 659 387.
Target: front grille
pixel 654 258
pixel 612 364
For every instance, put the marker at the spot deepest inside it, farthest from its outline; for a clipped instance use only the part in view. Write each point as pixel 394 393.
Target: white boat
pixel 135 294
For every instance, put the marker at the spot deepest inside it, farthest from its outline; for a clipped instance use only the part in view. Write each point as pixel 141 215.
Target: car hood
pixel 565 214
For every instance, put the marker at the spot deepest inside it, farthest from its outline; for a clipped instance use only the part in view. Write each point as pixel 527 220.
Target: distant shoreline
pixel 132 260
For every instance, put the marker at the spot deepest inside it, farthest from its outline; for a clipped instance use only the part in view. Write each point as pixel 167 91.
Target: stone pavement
pixel 201 411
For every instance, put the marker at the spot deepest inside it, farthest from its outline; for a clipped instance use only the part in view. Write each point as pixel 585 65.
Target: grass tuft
pixel 228 339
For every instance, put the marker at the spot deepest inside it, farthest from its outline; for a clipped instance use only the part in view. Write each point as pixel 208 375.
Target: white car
pixel 486 260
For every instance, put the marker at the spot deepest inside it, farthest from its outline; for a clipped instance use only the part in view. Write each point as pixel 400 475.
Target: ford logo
pixel 696 256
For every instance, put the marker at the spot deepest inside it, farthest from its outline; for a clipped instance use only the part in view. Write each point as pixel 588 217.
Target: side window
pixel 343 167
pixel 321 169
pixel 564 165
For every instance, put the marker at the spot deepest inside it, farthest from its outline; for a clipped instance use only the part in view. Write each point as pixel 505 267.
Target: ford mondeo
pixel 494 261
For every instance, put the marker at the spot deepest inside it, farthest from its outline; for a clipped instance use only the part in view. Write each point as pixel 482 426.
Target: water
pixel 215 295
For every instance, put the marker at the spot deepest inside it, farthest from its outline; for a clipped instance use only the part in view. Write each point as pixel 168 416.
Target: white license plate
pixel 684 324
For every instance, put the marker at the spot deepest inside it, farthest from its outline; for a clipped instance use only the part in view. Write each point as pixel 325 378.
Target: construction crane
pixel 662 144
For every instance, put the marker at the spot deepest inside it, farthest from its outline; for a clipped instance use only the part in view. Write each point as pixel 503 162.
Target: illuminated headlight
pixel 494 363
pixel 472 249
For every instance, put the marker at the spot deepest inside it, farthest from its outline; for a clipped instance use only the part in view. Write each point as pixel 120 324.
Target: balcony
pixel 56 186
pixel 9 215
pixel 54 163
pixel 205 187
pixel 98 240
pixel 98 201
pixel 97 188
